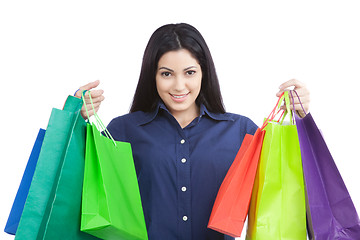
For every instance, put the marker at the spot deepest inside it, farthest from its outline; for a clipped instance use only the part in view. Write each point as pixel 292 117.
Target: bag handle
pixel 276 110
pixel 98 123
pixel 272 113
pixel 292 97
pixel 287 111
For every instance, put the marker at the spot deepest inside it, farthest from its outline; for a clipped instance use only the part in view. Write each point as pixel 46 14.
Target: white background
pixel 48 49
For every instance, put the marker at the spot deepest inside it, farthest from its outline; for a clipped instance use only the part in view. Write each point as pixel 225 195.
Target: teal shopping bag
pixel 52 208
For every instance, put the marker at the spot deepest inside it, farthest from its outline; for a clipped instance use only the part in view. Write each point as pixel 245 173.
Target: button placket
pixel 183 183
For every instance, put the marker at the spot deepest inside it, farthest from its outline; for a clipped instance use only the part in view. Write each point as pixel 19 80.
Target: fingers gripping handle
pixel 98 123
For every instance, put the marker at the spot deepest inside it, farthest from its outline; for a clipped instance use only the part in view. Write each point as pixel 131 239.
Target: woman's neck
pixel 185 118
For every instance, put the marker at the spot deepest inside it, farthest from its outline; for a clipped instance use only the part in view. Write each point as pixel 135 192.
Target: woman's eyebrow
pixel 189 68
pixel 170 70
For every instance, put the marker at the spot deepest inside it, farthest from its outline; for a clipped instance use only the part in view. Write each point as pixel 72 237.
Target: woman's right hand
pixel 96 96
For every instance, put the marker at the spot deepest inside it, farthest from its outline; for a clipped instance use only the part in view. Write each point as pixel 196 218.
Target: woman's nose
pixel 180 84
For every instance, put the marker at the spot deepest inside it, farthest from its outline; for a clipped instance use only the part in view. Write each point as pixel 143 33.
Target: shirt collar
pixel 150 116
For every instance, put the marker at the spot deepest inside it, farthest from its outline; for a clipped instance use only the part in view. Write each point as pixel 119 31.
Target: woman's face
pixel 178 82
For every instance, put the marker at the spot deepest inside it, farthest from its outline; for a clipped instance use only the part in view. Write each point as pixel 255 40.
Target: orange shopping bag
pixel 232 201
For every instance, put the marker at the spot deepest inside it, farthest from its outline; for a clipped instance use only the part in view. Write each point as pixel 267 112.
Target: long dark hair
pixel 169 38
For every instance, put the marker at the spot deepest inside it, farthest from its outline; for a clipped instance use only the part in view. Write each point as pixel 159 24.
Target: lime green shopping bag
pixel 277 208
pixel 111 203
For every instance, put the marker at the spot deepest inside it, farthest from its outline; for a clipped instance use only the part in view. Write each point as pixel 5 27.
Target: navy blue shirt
pixel 179 169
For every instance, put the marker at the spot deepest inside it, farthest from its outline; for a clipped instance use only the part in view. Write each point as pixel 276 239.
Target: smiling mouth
pixel 179 96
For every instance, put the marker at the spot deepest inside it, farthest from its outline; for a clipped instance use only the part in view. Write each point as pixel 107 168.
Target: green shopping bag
pixel 277 208
pixel 111 203
pixel 52 208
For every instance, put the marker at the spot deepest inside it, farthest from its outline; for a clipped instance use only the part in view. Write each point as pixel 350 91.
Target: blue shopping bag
pixel 22 193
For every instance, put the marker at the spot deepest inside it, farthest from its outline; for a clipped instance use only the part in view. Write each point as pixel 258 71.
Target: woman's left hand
pixel 303 93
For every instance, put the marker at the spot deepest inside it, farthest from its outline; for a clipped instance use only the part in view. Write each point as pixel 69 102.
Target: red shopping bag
pixel 232 202
pixel 233 199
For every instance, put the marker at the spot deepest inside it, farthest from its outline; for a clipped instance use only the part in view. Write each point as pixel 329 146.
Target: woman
pixel 183 141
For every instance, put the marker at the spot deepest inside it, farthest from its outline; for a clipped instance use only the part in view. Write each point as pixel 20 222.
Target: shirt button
pixel 185 218
pixel 182 141
pixel 183 160
pixel 183 189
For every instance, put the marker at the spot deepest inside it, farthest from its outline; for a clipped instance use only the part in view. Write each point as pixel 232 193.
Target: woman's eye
pixel 191 72
pixel 166 74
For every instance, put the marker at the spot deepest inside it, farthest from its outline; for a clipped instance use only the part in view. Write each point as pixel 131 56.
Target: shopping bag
pixel 52 208
pixel 277 207
pixel 23 190
pixel 331 213
pixel 111 203
pixel 232 201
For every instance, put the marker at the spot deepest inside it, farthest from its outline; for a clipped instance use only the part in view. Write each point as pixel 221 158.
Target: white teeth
pixel 181 96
